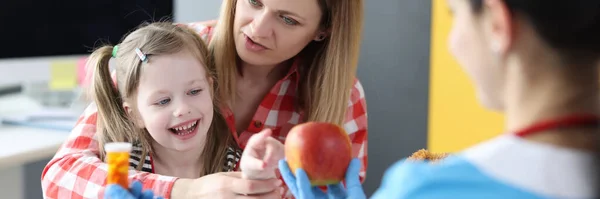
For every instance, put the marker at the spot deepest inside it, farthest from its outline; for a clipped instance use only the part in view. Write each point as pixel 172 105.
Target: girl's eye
pixel 255 3
pixel 289 21
pixel 164 102
pixel 195 92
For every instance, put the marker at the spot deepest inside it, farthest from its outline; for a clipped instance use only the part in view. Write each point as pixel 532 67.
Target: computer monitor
pixel 35 32
pixel 35 28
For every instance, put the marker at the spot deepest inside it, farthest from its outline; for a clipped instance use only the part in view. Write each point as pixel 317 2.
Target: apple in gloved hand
pixel 323 150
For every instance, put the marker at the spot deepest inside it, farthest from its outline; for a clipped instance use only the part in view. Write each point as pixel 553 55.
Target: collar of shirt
pixel 280 100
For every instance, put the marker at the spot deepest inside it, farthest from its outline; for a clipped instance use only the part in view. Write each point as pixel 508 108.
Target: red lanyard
pixel 563 122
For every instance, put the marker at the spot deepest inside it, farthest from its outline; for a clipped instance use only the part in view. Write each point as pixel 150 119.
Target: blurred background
pixel 417 96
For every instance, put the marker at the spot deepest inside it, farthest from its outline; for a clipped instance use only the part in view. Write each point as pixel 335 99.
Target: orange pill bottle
pixel 117 157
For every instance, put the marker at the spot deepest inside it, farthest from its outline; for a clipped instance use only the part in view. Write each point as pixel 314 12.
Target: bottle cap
pixel 118 147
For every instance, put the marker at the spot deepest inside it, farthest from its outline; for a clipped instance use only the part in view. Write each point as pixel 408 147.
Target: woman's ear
pixel 133 116
pixel 321 35
pixel 500 27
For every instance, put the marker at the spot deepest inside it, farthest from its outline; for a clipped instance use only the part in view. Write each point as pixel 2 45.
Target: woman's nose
pixel 261 25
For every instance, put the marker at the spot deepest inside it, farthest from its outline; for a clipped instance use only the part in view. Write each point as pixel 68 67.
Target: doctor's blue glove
pixel 301 188
pixel 115 191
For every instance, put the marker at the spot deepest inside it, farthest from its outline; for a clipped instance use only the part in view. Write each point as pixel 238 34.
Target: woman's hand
pixel 115 191
pixel 226 185
pixel 301 188
pixel 261 156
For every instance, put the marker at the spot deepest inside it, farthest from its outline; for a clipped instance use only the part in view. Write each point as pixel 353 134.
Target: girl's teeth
pixel 189 126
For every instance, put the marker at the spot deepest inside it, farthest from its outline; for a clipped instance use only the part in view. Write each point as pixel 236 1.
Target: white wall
pixel 196 10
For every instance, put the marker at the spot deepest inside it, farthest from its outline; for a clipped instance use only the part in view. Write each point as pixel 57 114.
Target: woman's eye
pixel 289 21
pixel 255 3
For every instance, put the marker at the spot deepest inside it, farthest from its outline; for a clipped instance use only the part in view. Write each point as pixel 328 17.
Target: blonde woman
pixel 278 63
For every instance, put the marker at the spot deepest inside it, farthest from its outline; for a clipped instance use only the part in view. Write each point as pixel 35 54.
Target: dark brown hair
pixel 572 27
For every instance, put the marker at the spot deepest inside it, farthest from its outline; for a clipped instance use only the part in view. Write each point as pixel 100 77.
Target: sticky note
pixel 63 75
pixel 82 73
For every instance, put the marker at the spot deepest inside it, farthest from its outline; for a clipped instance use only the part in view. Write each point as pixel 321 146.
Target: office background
pixel 417 96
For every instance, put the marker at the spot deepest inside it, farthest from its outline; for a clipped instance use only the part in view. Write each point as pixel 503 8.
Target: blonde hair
pixel 329 68
pixel 114 123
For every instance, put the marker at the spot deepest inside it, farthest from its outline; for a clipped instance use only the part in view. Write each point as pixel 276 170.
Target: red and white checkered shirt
pixel 76 171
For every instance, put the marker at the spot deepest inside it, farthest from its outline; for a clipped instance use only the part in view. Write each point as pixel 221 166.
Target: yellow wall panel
pixel 456 120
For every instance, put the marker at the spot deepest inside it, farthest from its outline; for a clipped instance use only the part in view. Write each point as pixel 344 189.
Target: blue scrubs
pixel 504 167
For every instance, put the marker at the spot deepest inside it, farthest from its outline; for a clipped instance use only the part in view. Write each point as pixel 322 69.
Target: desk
pixel 24 150
pixel 20 145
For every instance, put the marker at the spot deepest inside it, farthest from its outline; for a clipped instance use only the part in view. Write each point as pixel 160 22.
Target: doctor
pixel 535 61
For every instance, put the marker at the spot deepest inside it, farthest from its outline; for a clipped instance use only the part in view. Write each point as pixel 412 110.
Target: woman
pixel 278 63
pixel 535 61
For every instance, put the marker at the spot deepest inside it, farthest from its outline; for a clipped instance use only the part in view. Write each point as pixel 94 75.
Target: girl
pixel 536 61
pixel 163 102
pixel 278 63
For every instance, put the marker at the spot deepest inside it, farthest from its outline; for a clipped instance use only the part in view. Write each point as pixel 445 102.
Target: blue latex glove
pixel 300 186
pixel 115 191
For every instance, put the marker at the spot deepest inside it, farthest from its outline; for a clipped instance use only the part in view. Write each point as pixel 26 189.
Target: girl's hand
pixel 261 155
pixel 226 185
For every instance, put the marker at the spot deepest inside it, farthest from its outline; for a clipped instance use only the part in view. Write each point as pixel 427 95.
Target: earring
pixel 321 37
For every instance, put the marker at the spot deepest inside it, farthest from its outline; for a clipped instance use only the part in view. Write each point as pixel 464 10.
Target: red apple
pixel 322 149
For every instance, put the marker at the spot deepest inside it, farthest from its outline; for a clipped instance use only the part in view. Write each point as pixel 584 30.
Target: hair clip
pixel 140 54
pixel 115 49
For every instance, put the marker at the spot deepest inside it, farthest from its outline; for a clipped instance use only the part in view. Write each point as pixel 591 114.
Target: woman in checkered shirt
pixel 278 63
